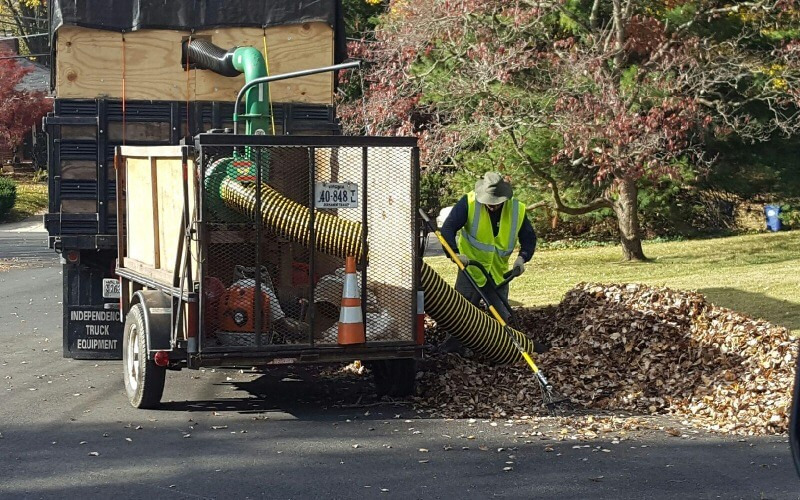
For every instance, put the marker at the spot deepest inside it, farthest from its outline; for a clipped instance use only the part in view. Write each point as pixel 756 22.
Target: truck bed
pixel 82 135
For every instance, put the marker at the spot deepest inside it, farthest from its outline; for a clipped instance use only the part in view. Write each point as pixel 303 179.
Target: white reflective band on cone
pixel 350 287
pixel 350 314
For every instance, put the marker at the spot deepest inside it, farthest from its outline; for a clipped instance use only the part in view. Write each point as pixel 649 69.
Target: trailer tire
pixel 144 380
pixel 394 377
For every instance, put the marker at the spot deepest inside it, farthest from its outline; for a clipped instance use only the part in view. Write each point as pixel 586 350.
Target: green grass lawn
pixel 757 274
pixel 31 200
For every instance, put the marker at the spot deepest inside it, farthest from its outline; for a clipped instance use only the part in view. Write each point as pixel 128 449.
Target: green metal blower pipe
pixel 250 61
pixel 232 62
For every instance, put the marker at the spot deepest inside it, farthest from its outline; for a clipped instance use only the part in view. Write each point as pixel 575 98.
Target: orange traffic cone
pixel 351 322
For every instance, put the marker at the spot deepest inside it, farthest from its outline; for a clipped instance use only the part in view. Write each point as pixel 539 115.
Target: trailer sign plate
pixel 283 361
pixel 336 195
pixel 111 288
pixel 94 332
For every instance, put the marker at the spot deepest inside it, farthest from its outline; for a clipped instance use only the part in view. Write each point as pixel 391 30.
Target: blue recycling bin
pixel 773 213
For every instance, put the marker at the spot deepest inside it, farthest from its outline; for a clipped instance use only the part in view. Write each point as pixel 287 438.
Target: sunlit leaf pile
pixel 635 348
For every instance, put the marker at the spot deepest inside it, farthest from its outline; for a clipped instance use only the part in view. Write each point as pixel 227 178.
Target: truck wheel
pixel 394 377
pixel 144 380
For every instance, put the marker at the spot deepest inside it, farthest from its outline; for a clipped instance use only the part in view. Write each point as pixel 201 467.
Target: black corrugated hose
pixel 452 312
pixel 205 55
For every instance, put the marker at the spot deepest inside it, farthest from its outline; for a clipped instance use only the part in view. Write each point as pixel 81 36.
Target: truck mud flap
pixel 93 333
pixel 93 327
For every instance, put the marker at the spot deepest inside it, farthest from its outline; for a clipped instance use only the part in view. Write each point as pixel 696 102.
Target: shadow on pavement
pixel 305 392
pixel 297 459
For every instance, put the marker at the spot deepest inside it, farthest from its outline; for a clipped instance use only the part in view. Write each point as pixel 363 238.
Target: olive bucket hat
pixel 492 189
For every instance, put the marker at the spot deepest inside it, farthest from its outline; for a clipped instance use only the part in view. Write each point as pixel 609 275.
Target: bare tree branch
pixel 553 185
pixel 537 205
pixel 593 16
pixel 619 29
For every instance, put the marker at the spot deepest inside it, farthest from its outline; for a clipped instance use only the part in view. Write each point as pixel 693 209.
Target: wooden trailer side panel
pixel 140 210
pixel 91 63
pixel 154 187
pixel 169 174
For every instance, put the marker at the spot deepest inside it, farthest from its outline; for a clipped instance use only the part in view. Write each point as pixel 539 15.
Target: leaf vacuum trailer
pixel 178 213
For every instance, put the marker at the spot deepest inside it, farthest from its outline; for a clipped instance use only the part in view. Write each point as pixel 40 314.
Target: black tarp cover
pixel 133 15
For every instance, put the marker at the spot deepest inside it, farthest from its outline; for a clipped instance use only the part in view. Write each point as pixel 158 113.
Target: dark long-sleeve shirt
pixel 458 217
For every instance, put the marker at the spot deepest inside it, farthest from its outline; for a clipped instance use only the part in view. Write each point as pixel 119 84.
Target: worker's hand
pixel 463 258
pixel 519 266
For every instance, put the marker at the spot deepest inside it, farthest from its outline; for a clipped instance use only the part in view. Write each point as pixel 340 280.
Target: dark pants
pixel 465 288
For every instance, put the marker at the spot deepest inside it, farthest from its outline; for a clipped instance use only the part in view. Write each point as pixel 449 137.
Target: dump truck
pixel 205 204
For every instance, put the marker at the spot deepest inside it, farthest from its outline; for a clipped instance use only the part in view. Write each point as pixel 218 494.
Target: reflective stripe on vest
pixel 512 235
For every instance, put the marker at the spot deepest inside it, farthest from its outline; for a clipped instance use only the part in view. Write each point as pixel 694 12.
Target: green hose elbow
pixel 251 62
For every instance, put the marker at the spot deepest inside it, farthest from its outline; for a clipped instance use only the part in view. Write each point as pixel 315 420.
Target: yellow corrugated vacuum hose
pixel 334 236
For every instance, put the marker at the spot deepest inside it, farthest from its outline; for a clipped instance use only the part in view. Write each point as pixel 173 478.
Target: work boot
pixel 291 330
pixel 451 345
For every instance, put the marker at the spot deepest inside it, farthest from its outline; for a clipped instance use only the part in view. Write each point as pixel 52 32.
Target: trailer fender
pixel 157 308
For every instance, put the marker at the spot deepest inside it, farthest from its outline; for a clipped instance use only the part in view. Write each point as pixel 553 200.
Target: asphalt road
pixel 67 431
pixel 25 243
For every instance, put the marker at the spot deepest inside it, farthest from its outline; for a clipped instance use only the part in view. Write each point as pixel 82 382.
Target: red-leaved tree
pixel 19 110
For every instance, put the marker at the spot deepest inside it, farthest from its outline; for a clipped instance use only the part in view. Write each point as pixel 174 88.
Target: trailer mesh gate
pixel 278 217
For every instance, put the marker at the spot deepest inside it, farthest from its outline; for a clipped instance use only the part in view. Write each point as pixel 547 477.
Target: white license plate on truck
pixel 336 195
pixel 111 288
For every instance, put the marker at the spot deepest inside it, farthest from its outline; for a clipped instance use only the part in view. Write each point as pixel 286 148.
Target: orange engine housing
pixel 237 311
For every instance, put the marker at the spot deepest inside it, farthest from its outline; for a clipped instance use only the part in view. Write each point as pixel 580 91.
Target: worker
pixel 489 222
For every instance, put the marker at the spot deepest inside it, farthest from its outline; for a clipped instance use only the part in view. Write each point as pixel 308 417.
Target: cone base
pixel 351 333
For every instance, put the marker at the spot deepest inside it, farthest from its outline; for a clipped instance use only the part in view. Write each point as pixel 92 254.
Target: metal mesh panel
pixel 310 207
pixel 390 216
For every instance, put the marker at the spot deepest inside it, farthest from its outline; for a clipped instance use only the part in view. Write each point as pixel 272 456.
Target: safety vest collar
pixel 512 235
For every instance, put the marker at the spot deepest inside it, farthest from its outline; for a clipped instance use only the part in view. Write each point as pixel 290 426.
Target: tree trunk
pixel 626 208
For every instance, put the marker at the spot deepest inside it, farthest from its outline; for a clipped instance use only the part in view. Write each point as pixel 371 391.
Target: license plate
pixel 283 361
pixel 111 288
pixel 336 195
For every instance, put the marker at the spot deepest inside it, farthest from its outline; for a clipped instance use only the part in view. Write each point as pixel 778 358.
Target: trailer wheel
pixel 144 380
pixel 394 377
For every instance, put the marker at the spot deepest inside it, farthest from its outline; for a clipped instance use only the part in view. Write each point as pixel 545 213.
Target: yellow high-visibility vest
pixel 478 242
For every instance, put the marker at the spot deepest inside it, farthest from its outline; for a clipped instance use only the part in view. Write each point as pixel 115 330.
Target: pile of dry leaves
pixel 635 348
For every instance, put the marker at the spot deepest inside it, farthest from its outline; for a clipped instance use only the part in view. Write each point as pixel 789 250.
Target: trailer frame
pixel 174 307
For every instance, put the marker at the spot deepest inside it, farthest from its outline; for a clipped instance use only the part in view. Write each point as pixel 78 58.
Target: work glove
pixel 519 266
pixel 464 259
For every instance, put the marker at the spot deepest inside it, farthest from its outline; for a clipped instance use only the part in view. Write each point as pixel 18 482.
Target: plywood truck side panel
pixel 89 63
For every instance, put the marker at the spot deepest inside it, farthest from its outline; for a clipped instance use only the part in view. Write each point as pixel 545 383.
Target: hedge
pixel 8 195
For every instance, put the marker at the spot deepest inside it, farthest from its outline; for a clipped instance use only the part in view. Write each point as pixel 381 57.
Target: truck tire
pixel 144 380
pixel 394 377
